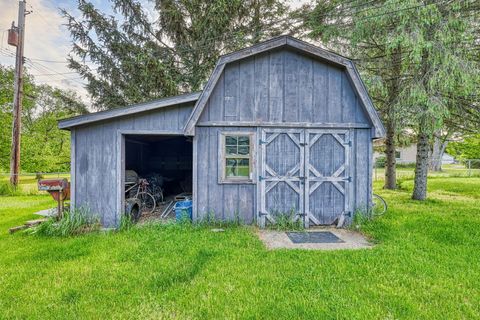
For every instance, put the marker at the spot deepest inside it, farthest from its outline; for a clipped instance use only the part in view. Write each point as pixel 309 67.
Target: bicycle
pixel 379 205
pixel 147 200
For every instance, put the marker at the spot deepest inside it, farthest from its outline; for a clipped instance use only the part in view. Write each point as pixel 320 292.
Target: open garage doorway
pixel 160 165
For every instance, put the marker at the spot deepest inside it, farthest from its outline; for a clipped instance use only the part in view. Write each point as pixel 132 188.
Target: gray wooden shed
pixel 282 127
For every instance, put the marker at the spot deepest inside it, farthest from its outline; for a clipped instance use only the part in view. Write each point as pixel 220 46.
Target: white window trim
pixel 222 179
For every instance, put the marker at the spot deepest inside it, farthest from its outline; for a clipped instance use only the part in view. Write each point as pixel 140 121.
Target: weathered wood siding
pixel 277 87
pixel 223 201
pixel 95 161
pixel 361 169
pixel 283 86
pixel 232 201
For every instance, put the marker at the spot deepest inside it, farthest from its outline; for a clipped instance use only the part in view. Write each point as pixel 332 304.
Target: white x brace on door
pixel 304 174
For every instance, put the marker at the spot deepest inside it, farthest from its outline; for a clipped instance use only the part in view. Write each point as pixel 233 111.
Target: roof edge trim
pixel 123 111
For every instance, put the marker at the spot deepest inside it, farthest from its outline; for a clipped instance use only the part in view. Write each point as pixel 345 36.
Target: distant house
pixel 407 155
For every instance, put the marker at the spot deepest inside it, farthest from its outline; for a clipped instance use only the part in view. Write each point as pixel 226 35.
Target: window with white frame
pixel 236 154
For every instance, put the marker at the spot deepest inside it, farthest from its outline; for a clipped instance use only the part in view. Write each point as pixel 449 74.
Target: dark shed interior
pixel 162 160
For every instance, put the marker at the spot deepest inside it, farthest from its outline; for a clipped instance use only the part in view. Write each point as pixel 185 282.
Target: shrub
pixel 361 216
pixel 380 162
pixel 74 222
pixel 284 221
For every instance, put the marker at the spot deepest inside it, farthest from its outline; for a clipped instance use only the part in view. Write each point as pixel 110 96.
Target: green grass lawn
pixel 27 184
pixel 448 170
pixel 426 265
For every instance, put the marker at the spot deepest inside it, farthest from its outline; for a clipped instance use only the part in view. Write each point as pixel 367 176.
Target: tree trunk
pixel 393 89
pixel 438 149
pixel 421 167
pixel 390 159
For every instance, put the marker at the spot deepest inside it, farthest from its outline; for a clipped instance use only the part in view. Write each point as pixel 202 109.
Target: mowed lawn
pixel 425 265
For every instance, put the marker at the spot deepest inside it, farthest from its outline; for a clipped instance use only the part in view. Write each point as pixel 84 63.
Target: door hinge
pixel 303 144
pixel 262 141
pixel 349 179
pixel 349 143
pixel 348 214
pixel 260 178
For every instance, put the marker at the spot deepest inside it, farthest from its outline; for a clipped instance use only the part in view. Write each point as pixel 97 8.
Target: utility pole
pixel 18 94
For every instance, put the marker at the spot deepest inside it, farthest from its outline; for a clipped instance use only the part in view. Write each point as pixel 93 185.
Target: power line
pixel 223 37
pixel 37 66
pixel 52 74
pixel 49 61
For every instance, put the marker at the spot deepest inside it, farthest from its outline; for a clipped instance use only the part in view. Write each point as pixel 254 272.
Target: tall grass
pixel 74 222
pixel 6 189
pixel 285 221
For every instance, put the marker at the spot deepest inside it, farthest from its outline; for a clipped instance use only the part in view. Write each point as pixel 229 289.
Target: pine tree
pixel 370 32
pixel 130 57
pixel 417 59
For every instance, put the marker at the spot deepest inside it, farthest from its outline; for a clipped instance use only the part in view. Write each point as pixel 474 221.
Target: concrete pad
pixel 47 212
pixel 279 240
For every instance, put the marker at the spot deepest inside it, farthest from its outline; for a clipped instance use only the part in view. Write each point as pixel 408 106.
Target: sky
pixel 47 40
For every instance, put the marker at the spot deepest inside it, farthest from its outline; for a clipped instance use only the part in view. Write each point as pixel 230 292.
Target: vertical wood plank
pixel 334 94
pixel 291 89
pixel 276 77
pixel 360 113
pixel 230 202
pixel 348 100
pixel 320 97
pixel 231 92
pixel 194 178
pixel 305 86
pixel 246 203
pixel 203 160
pixel 82 167
pixel 73 167
pixel 215 191
pixel 247 90
pixel 261 87
pixel 362 169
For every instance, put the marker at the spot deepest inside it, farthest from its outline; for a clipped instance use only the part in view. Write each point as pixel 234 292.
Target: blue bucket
pixel 183 210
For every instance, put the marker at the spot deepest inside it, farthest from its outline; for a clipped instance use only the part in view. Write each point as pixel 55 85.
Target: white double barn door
pixel 304 174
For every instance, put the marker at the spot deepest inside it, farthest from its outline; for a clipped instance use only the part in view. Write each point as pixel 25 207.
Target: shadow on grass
pixel 184 274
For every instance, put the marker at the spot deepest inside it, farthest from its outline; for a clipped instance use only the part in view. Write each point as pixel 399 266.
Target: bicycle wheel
pixel 379 205
pixel 147 202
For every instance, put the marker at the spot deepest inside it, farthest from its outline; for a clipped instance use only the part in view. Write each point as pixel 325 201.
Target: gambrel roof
pixel 300 46
pixel 201 98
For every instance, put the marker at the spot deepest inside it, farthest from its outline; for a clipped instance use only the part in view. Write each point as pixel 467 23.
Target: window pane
pixel 231 162
pixel 237 168
pixel 231 167
pixel 243 162
pixel 237 148
pixel 244 141
pixel 230 140
pixel 243 168
pixel 243 150
pixel 231 150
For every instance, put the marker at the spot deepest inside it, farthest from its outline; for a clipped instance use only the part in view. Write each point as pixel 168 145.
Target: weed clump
pixel 74 222
pixel 286 221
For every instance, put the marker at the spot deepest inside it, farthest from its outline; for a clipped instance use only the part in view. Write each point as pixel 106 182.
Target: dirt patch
pixel 280 240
